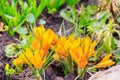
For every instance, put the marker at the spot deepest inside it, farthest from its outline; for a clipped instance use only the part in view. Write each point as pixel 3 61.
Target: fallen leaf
pixel 1 26
pixel 9 42
pixel 0 35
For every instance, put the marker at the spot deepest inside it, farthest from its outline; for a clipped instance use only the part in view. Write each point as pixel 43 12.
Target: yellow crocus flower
pixel 61 48
pixel 18 61
pixel 36 45
pixel 50 37
pixel 25 57
pixel 88 46
pixel 39 32
pixel 78 56
pixel 44 39
pixel 37 59
pixel 73 43
pixel 91 49
pixel 81 50
pixel 49 40
pixel 106 61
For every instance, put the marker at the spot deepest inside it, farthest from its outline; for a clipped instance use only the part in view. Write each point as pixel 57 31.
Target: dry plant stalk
pixel 113 6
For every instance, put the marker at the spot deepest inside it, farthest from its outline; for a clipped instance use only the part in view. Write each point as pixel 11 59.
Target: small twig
pixel 44 74
pixel 89 73
pixel 76 77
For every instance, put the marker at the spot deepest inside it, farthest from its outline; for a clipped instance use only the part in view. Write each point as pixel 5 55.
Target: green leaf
pixel 113 43
pixel 118 55
pixel 42 22
pixel 22 30
pixel 31 18
pixel 10 71
pixel 103 15
pixel 118 19
pixel 67 15
pixel 9 16
pixel 53 5
pixel 72 2
pixel 107 44
pixel 12 50
pixel 94 8
pixel 6 28
pixel 118 51
pixel 26 40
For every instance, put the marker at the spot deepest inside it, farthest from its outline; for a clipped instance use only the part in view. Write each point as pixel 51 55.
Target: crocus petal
pixel 82 62
pixel 36 44
pixel 106 58
pixel 39 31
pixel 56 56
pixel 28 55
pixel 55 39
pixel 18 61
pixel 91 51
pixel 85 44
pixel 78 56
pixel 38 59
pixel 106 63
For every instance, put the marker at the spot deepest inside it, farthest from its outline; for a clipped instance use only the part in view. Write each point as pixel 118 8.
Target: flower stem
pixel 83 72
pixel 38 76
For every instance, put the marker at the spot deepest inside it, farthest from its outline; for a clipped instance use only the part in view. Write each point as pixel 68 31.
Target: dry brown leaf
pixel 1 26
pixel 0 35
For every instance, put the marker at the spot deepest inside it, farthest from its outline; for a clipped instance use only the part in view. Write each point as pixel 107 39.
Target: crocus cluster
pixel 79 49
pixel 37 53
